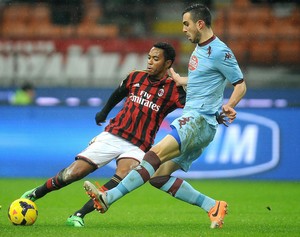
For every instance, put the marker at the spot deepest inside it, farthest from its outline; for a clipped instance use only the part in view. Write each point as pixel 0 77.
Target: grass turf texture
pixel 150 212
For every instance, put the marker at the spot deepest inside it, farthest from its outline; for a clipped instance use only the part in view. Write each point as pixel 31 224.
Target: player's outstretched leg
pixel 76 171
pixel 182 190
pixel 217 214
pixel 54 183
pixel 136 178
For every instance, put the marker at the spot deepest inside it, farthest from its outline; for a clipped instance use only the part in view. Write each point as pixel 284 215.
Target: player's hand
pixel 229 112
pixel 221 118
pixel 100 118
pixel 175 76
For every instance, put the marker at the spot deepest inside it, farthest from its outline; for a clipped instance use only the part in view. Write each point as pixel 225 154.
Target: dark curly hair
pixel 169 51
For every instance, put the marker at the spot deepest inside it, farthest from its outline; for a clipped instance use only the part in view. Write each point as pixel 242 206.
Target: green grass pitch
pixel 150 212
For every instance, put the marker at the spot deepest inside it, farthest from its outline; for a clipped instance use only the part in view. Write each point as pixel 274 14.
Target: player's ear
pixel 200 24
pixel 168 63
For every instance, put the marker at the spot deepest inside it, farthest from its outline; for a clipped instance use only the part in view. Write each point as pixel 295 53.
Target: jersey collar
pixel 162 80
pixel 207 41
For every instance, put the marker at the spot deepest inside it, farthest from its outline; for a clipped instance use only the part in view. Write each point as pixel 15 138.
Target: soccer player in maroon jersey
pixel 150 96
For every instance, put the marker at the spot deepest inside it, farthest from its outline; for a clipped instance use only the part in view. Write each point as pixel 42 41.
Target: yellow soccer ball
pixel 22 212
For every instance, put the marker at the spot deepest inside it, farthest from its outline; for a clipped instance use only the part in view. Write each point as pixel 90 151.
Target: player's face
pixel 156 65
pixel 190 28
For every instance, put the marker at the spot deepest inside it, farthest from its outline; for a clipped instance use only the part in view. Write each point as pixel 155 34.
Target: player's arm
pixel 232 72
pixel 238 93
pixel 120 93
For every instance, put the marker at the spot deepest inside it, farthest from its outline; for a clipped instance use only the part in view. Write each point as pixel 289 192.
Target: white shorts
pixel 106 147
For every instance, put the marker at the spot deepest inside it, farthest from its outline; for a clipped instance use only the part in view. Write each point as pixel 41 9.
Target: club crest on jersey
pixel 209 51
pixel 193 63
pixel 161 92
pixel 227 56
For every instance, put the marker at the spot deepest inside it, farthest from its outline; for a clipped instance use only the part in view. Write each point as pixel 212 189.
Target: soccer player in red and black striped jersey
pixel 148 102
pixel 150 96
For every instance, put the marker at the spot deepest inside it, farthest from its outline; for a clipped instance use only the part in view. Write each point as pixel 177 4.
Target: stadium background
pixel 76 52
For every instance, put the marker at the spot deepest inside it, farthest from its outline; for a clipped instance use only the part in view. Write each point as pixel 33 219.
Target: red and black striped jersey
pixel 147 103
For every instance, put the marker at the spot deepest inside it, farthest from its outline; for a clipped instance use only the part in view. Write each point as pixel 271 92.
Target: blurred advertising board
pixel 261 144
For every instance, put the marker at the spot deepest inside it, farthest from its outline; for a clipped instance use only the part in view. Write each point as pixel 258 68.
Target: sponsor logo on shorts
pixel 183 121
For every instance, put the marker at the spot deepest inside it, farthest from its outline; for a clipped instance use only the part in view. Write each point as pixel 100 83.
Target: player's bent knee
pixel 125 166
pixel 122 172
pixel 66 176
pixel 76 171
pixel 72 175
pixel 159 181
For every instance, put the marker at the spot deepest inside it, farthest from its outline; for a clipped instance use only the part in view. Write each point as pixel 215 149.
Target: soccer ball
pixel 22 212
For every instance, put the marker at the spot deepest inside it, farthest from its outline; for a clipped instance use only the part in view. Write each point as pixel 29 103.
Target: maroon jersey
pixel 148 102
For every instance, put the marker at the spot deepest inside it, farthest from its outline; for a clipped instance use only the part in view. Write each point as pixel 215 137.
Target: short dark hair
pixel 199 12
pixel 169 51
